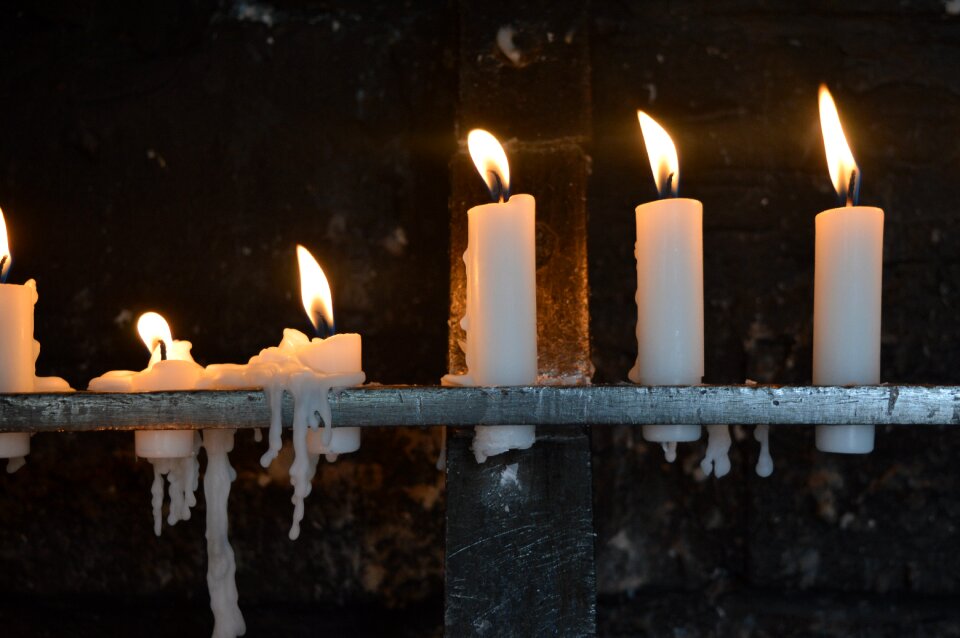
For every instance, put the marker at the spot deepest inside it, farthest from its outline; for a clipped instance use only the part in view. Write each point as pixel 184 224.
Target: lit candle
pixel 18 350
pixel 669 254
pixel 501 314
pixel 847 287
pixel 308 370
pixel 173 453
pixel 335 354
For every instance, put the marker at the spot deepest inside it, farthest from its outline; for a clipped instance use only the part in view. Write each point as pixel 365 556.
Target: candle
pixel 501 313
pixel 18 350
pixel 173 453
pixel 669 254
pixel 847 287
pixel 308 370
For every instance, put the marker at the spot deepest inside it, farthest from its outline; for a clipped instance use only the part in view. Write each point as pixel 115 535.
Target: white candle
pixel 171 367
pixel 173 453
pixel 501 296
pixel 669 254
pixel 847 288
pixel 18 350
pixel 337 354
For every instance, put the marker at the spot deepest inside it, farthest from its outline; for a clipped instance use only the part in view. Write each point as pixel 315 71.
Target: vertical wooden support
pixel 519 546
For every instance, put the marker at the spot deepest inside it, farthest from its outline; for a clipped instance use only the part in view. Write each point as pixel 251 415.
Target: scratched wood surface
pixel 425 406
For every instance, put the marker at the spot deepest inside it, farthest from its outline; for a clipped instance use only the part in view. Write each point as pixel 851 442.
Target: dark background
pixel 169 156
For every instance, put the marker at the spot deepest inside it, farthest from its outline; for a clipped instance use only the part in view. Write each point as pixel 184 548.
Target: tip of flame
pixel 491 162
pixel 662 154
pixel 153 329
pixel 315 290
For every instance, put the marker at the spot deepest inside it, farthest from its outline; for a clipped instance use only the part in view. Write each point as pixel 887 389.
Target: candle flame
pixel 154 329
pixel 4 250
pixel 315 290
pixel 491 162
pixel 663 156
pixel 843 168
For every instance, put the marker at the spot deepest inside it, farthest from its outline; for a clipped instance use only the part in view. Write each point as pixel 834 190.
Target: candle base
pixel 845 439
pixel 671 433
pixel 344 441
pixel 14 444
pixel 169 444
pixel 496 439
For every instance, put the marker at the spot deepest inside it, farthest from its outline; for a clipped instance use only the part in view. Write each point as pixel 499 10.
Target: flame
pixel 317 300
pixel 153 329
pixel 491 162
pixel 4 249
pixel 663 155
pixel 843 168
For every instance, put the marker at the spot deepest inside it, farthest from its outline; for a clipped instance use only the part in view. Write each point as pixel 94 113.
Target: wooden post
pixel 519 546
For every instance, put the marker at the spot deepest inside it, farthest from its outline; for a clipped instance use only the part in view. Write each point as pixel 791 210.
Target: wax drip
pixel 221 561
pixel 764 461
pixel 716 460
pixel 669 451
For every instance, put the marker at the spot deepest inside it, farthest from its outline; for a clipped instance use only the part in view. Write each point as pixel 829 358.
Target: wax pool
pixel 501 314
pixel 669 253
pixel 846 313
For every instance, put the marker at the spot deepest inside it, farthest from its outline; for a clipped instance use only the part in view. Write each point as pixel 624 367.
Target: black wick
pixel 163 350
pixel 853 188
pixel 3 264
pixel 667 187
pixel 498 192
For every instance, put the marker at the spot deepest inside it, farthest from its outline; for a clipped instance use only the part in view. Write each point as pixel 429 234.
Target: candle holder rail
pixel 426 406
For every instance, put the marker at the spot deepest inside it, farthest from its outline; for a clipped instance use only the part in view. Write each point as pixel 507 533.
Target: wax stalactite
pixel 764 460
pixel 18 351
pixel 669 254
pixel 501 305
pixel 716 461
pixel 221 562
pixel 848 281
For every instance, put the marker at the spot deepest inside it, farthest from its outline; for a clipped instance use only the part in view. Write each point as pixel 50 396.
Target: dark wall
pixel 829 544
pixel 168 156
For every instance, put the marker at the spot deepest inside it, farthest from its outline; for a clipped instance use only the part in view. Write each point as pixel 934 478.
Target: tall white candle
pixel 847 287
pixel 18 349
pixel 669 252
pixel 501 296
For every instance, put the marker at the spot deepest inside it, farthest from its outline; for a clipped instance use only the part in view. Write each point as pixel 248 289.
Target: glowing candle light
pixel 501 314
pixel 669 253
pixel 847 286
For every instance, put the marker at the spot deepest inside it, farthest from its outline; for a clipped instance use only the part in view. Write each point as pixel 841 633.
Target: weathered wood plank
pixel 424 406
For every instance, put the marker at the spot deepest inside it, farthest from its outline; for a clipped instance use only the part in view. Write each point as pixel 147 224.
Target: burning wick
pixel 668 187
pixel 163 350
pixel 324 329
pixel 853 189
pixel 498 192
pixel 3 273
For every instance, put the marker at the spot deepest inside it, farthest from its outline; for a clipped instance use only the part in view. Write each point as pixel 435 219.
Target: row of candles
pixel 500 319
pixel 500 347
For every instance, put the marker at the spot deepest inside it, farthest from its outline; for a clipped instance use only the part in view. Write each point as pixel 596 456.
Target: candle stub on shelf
pixel 18 351
pixel 848 282
pixel 501 297
pixel 669 253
